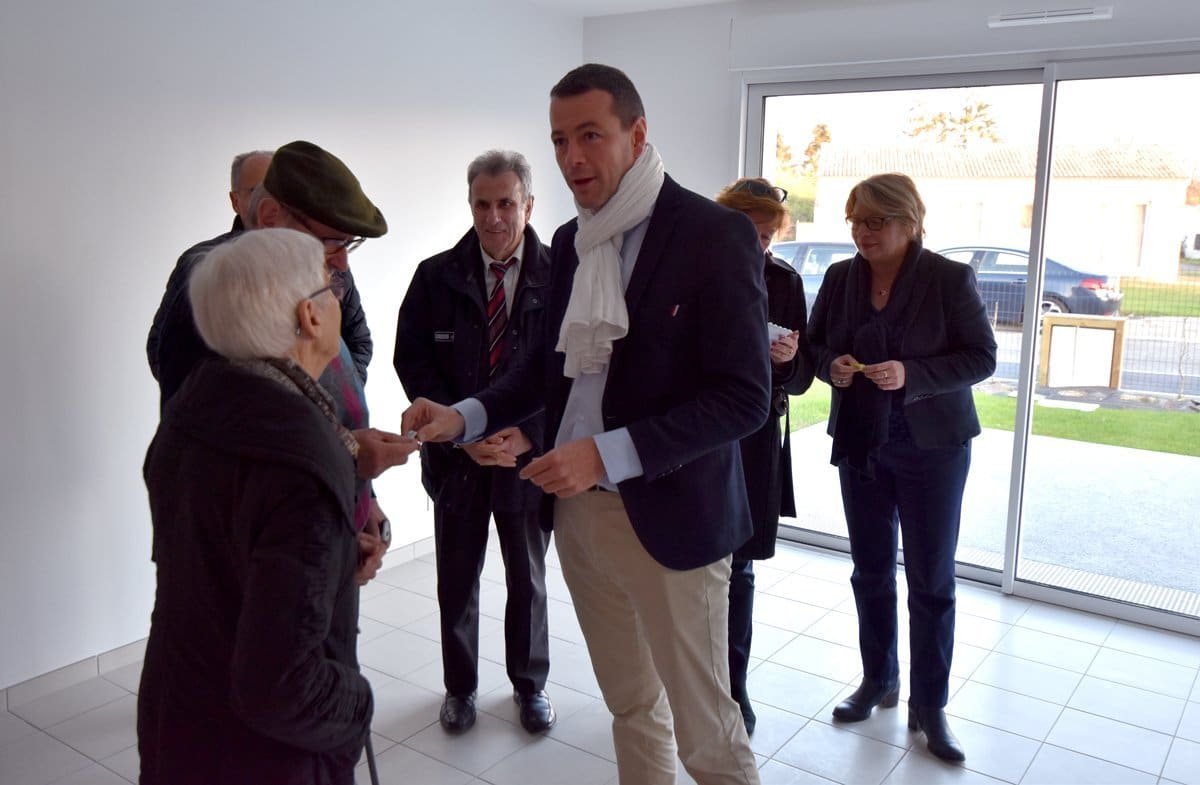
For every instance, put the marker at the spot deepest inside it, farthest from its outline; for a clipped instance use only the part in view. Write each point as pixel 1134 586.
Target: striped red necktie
pixel 497 314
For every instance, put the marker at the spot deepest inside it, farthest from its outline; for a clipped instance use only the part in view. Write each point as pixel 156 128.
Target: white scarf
pixel 596 313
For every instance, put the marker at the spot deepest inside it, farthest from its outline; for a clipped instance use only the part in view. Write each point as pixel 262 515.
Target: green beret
pixel 317 184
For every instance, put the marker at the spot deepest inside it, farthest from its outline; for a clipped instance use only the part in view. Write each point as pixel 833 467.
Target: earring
pixel 297 332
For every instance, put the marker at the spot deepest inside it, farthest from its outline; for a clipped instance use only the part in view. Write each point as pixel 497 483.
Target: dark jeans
pixel 461 544
pixel 921 490
pixel 741 627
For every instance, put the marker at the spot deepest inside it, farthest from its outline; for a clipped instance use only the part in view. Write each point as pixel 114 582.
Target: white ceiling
pixel 587 8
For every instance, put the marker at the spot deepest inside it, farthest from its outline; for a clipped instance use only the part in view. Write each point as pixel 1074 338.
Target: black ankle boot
pixel 858 706
pixel 938 738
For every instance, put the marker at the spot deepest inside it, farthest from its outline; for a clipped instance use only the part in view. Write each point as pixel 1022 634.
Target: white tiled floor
pixel 1039 694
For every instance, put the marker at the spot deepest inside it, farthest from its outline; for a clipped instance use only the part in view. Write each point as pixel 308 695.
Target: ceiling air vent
pixel 1050 16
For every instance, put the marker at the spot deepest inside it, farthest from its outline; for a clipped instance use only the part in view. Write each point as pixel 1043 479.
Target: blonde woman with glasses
pixel 901 334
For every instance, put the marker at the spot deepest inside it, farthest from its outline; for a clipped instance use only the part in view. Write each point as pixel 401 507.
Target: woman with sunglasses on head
pixel 900 334
pixel 766 459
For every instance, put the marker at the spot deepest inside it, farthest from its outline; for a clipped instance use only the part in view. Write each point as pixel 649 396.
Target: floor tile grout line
pixel 90 760
pixel 77 714
pixel 108 768
pixel 1025 772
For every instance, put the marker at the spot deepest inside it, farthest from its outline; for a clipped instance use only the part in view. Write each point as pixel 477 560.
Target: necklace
pixel 881 293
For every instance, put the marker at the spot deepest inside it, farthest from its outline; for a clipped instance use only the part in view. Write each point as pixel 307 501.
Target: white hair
pixel 245 291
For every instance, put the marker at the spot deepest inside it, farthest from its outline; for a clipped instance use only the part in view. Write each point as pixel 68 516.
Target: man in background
pixel 245 174
pixel 470 313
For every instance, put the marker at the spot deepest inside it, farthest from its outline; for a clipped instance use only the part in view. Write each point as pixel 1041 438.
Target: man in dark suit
pixel 654 364
pixel 471 312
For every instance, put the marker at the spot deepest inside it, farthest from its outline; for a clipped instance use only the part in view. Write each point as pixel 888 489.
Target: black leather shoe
pixel 537 712
pixel 858 706
pixel 748 717
pixel 458 713
pixel 938 738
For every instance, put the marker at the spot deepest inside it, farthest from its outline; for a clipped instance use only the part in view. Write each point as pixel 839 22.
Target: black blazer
pixel 690 378
pixel 442 354
pixel 947 346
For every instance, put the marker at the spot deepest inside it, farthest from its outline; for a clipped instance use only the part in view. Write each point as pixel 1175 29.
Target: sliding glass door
pixel 1073 197
pixel 971 150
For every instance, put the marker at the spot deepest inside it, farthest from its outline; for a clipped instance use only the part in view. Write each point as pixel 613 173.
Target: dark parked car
pixel 1003 273
pixel 811 260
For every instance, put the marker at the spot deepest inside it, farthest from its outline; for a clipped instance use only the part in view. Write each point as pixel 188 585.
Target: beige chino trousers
pixel 658 641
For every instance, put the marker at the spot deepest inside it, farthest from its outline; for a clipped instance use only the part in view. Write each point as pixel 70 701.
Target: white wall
pixel 119 121
pixel 679 61
pixel 691 64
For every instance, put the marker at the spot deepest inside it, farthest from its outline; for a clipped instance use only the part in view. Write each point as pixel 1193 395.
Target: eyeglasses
pixel 337 285
pixel 332 244
pixel 874 223
pixel 762 189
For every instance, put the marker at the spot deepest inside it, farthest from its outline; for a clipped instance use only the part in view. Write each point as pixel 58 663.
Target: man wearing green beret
pixel 307 189
pixel 310 190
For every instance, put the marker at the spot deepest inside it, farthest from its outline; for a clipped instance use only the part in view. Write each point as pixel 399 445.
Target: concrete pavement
pixel 1113 511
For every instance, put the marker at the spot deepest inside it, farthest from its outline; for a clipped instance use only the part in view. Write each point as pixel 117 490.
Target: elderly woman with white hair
pixel 250 672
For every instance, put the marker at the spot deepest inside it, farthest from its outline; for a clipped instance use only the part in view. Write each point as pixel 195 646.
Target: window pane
pixel 1111 494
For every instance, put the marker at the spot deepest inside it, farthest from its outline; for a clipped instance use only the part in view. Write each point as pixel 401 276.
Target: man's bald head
pixel 247 171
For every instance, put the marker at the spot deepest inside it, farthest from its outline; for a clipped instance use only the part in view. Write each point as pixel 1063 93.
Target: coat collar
pixel 466 265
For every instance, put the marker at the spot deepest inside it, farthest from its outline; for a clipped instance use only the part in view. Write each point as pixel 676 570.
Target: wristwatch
pixel 385 531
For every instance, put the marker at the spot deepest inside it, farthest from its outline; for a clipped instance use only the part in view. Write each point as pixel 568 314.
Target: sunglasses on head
pixel 762 189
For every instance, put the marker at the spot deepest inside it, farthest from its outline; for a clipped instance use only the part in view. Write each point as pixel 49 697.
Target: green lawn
pixel 1143 429
pixel 1154 298
pixel 812 407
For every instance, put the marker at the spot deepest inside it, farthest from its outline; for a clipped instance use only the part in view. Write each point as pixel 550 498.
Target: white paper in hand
pixel 775 332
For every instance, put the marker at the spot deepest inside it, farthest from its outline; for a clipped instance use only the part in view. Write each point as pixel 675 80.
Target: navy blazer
pixel 690 378
pixel 947 347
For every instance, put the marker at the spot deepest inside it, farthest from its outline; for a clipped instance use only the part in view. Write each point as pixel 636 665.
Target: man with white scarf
pixel 654 364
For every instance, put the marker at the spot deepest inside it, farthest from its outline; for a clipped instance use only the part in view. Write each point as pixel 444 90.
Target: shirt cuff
pixel 618 455
pixel 474 419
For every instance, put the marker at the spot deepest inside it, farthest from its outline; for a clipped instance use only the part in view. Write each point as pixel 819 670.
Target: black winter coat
pixel 441 354
pixel 766 460
pixel 250 673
